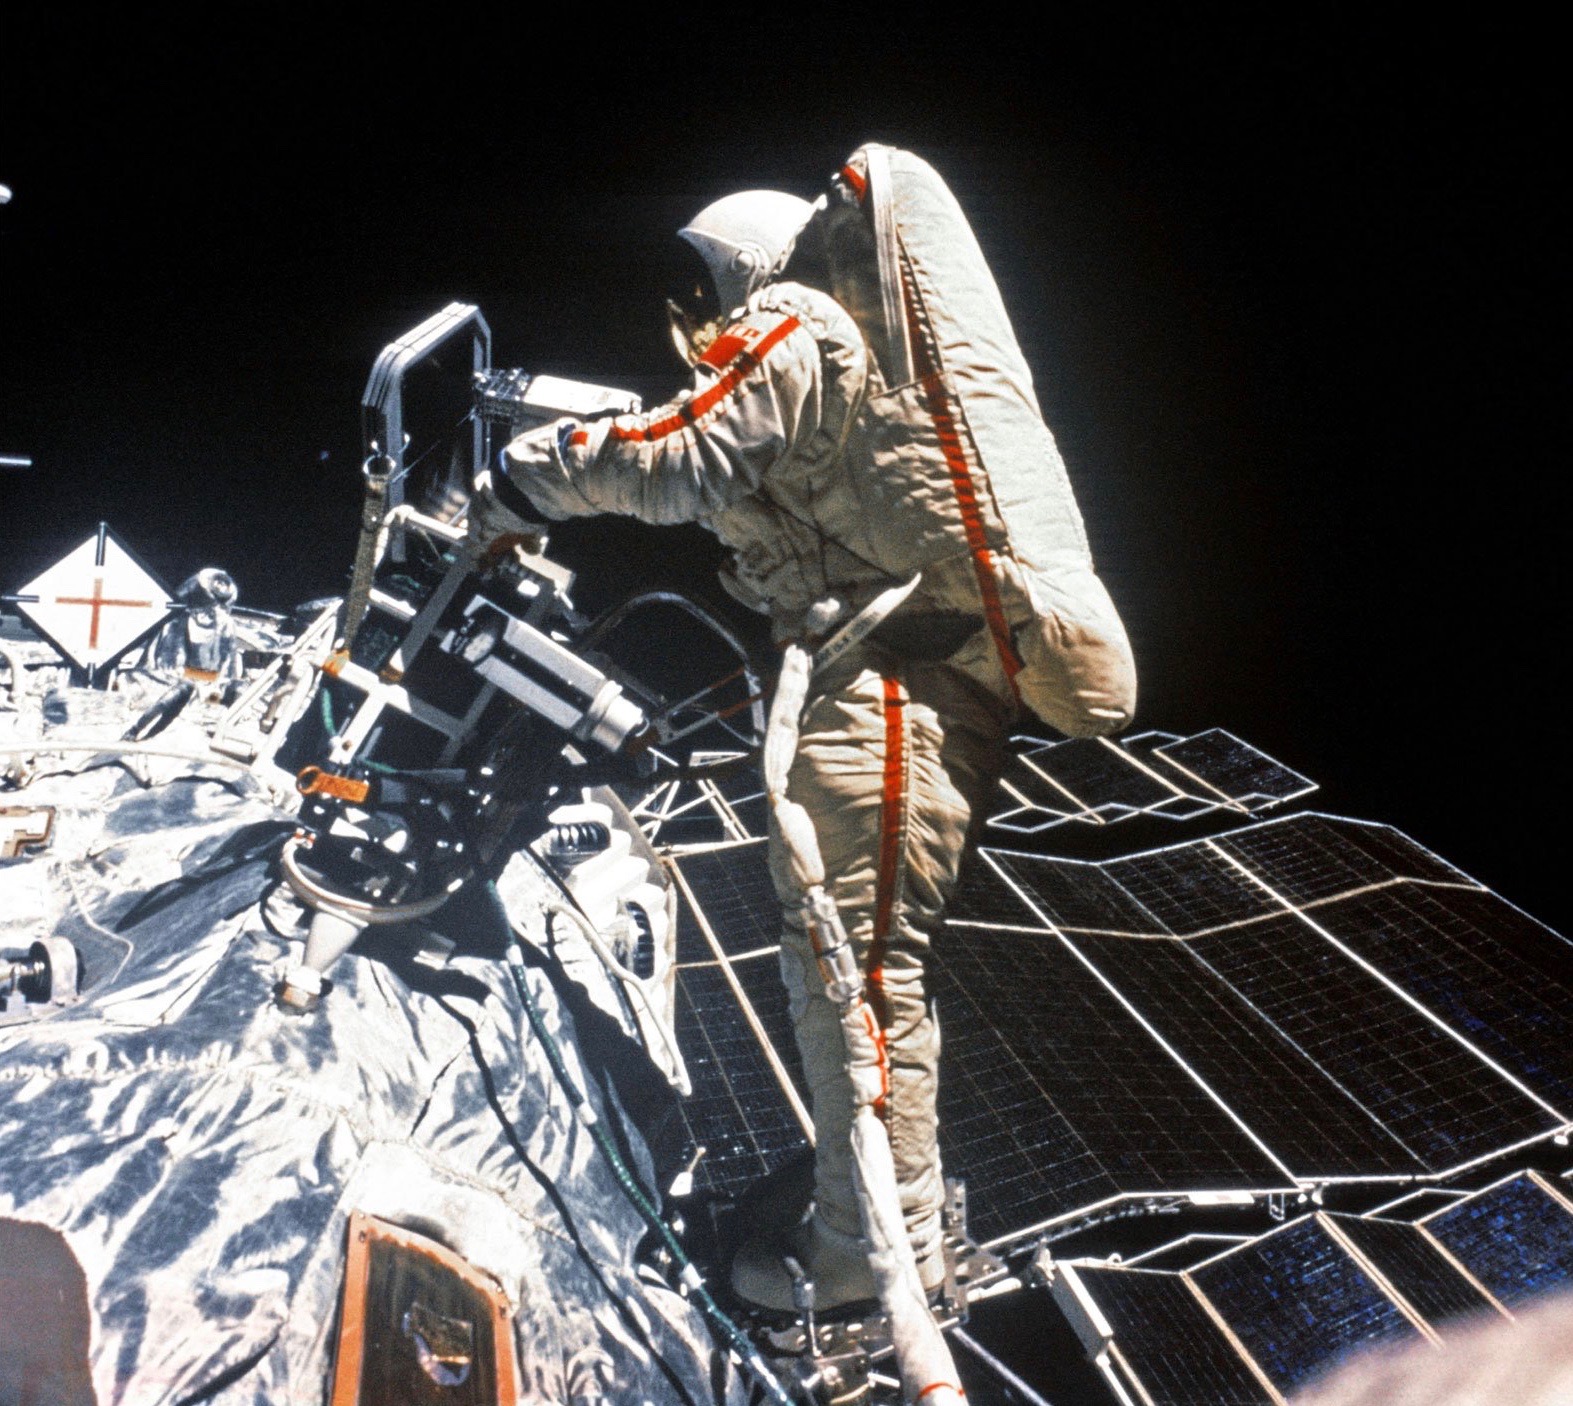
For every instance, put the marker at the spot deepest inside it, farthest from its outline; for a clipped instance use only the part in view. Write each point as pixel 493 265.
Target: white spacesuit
pixel 836 457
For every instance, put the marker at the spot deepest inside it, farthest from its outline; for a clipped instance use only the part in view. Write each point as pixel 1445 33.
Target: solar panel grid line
pixel 1300 1301
pixel 1227 1242
pixel 1379 1278
pixel 719 804
pixel 1498 1153
pixel 1371 1115
pixel 1118 1359
pixel 1387 1207
pixel 1392 985
pixel 1023 1389
pixel 1131 759
pixel 698 847
pixel 1076 809
pixel 994 927
pixel 1163 1044
pixel 735 957
pixel 1556 1193
pixel 1074 1218
pixel 1463 1271
pixel 746 1006
pixel 1233 1339
pixel 1238 923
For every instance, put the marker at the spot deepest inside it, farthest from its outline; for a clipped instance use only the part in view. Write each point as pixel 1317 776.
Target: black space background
pixel 1290 289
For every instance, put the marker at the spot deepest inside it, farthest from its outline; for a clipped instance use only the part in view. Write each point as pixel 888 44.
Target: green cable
pixel 736 1339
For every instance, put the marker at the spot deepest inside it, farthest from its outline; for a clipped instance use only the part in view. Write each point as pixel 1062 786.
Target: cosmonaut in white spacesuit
pixel 842 439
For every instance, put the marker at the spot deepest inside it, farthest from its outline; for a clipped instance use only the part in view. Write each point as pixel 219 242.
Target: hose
pixel 113 748
pixel 923 1359
pixel 684 1085
pixel 736 1340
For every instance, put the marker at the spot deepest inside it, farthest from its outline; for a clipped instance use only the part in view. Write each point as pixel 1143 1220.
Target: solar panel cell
pixel 1307 858
pixel 1074 895
pixel 1297 1301
pixel 1235 768
pixel 1494 974
pixel 1176 1350
pixel 1052 1099
pixel 1434 1096
pixel 733 888
pixel 737 1112
pixel 1515 1237
pixel 1283 1094
pixel 1415 1267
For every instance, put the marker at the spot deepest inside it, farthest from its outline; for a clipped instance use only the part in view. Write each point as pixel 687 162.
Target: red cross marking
pixel 98 600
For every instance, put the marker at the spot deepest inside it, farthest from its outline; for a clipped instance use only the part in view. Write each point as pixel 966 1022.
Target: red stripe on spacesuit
pixel 936 401
pixel 858 183
pixel 723 349
pixel 892 817
pixel 748 360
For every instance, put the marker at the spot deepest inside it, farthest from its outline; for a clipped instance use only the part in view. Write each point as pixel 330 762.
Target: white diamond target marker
pixel 94 601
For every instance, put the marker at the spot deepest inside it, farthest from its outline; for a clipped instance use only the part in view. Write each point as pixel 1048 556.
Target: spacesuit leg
pixel 893 762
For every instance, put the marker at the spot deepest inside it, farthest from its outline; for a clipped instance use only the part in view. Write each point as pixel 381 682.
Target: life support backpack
pixel 971 488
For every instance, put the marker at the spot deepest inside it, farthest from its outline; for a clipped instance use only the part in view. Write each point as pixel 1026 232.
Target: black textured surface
pixel 1052 1098
pixel 737 1112
pixel 1177 1352
pixel 1515 1238
pixel 1415 1267
pixel 733 887
pixel 1297 1301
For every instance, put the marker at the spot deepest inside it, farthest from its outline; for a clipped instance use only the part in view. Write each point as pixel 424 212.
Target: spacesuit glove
pixel 501 517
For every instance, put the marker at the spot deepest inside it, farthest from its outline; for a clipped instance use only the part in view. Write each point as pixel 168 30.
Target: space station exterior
pixel 389 1011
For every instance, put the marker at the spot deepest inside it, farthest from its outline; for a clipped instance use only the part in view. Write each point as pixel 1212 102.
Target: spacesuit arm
pixel 755 396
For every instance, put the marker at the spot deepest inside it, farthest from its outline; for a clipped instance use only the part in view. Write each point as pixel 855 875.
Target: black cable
pixel 738 1341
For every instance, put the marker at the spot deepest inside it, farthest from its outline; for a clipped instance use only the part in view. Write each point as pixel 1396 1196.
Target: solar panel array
pixel 1516 1237
pixel 1299 1001
pixel 1282 1309
pixel 1161 1323
pixel 732 1022
pixel 1099 781
pixel 1363 1008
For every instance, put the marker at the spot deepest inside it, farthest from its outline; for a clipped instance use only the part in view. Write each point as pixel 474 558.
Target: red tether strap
pixel 937 402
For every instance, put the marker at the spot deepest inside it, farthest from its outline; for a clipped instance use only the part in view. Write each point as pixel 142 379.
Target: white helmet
pixel 743 239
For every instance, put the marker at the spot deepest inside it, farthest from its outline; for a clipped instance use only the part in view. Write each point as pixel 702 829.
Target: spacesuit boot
pixel 834 1262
